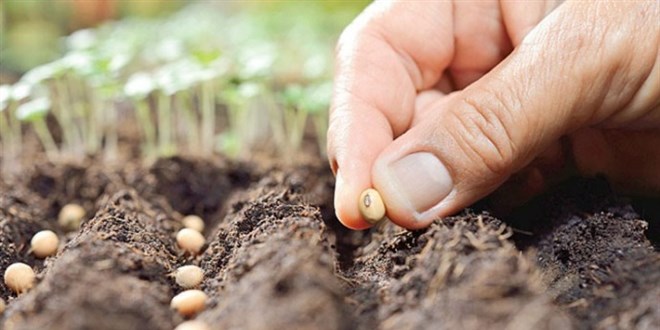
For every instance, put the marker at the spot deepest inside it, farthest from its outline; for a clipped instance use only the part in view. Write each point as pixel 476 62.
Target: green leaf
pixel 139 85
pixel 33 110
pixel 5 96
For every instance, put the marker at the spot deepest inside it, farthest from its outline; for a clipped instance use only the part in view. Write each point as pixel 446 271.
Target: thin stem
pixel 7 148
pixel 208 118
pixel 63 116
pixel 95 135
pixel 165 125
pixel 46 138
pixel 148 130
pixel 111 136
pixel 320 121
pixel 16 128
pixel 190 122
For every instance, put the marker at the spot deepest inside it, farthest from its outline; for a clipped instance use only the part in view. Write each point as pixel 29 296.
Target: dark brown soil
pixel 276 258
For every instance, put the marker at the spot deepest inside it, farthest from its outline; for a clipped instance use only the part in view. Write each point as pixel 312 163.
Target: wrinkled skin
pixel 488 91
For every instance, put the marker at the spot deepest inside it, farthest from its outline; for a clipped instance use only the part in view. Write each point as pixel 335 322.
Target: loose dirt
pixel 276 258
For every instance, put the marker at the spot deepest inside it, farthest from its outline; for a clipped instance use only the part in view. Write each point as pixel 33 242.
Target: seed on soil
pixel 193 222
pixel 192 325
pixel 371 206
pixel 2 305
pixel 70 217
pixel 44 244
pixel 19 277
pixel 190 240
pixel 189 276
pixel 189 302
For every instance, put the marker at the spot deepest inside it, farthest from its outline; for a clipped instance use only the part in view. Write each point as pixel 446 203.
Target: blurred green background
pixel 32 31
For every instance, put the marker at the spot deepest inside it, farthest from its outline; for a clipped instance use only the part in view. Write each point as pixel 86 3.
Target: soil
pixel 579 257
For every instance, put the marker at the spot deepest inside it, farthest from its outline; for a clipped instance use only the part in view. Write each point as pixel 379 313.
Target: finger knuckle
pixel 483 133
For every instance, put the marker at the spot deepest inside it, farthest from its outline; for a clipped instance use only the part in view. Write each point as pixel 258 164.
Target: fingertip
pixel 346 206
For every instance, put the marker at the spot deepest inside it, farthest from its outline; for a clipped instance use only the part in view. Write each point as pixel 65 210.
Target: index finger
pixel 383 60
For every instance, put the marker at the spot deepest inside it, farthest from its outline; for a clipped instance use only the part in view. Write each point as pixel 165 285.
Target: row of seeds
pixel 20 277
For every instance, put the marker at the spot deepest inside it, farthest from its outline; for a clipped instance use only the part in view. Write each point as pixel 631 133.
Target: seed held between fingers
pixel 19 277
pixel 189 302
pixel 2 305
pixel 371 206
pixel 44 244
pixel 189 276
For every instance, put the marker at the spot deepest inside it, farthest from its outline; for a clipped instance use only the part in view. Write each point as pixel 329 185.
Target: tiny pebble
pixel 44 244
pixel 70 217
pixel 190 240
pixel 192 325
pixel 189 276
pixel 193 222
pixel 189 302
pixel 19 277
pixel 371 206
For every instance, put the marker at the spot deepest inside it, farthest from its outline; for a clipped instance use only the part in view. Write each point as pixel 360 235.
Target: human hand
pixel 437 104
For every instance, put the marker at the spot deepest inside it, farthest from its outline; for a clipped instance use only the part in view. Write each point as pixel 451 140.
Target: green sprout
pixel 35 112
pixel 53 76
pixel 316 103
pixel 138 88
pixel 10 143
pixel 290 128
pixel 243 123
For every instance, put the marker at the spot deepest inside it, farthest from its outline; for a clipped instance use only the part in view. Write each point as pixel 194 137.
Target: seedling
pixel 190 240
pixel 316 103
pixel 371 206
pixel 193 222
pixel 189 276
pixel 44 244
pixel 9 130
pixel 52 76
pixel 192 325
pixel 19 277
pixel 70 217
pixel 189 302
pixel 138 88
pixel 290 128
pixel 35 112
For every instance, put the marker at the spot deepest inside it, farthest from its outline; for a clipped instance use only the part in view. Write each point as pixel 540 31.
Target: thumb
pixel 568 73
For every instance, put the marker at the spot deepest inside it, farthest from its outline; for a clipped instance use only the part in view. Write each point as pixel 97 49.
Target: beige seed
pixel 44 244
pixel 190 240
pixel 189 302
pixel 193 222
pixel 192 325
pixel 189 276
pixel 19 277
pixel 70 217
pixel 371 206
pixel 2 305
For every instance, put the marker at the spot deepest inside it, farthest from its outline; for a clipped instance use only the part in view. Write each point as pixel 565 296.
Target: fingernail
pixel 421 179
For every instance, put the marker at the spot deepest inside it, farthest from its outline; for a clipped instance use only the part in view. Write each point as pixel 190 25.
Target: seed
pixel 189 276
pixel 371 206
pixel 19 277
pixel 193 222
pixel 190 240
pixel 189 302
pixel 44 244
pixel 70 217
pixel 192 325
pixel 2 305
